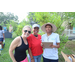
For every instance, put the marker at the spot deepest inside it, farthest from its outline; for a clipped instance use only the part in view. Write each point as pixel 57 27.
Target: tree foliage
pixel 7 17
pixel 14 24
pixel 69 16
pixel 45 17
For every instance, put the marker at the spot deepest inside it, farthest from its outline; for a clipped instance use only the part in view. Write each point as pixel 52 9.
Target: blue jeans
pixel 49 60
pixel 37 58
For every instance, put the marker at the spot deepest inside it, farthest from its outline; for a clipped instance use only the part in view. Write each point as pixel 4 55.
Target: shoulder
pixel 17 39
pixel 55 34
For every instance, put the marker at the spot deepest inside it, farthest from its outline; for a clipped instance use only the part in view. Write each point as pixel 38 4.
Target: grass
pixel 69 49
pixel 5 52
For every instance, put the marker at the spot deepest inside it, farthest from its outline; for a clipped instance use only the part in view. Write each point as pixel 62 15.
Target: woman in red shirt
pixel 34 41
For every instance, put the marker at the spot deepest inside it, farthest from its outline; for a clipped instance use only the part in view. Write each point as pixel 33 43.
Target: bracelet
pixel 32 58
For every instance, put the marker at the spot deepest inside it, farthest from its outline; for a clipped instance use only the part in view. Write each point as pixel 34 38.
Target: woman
pixel 2 37
pixel 11 29
pixel 34 41
pixel 20 45
pixel 50 54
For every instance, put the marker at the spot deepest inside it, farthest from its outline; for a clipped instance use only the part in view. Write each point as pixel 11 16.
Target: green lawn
pixel 5 52
pixel 69 49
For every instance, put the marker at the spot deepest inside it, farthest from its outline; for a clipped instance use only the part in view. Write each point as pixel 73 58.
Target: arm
pixel 55 46
pixel 3 36
pixel 31 56
pixel 13 45
pixel 29 50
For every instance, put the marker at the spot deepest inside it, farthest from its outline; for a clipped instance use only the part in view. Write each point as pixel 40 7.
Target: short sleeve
pixel 3 31
pixel 29 41
pixel 57 39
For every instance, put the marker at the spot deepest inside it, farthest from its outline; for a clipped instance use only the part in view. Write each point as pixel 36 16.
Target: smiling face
pixel 26 32
pixel 48 28
pixel 35 30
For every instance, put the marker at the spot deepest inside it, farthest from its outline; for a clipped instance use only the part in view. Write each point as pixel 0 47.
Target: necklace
pixel 36 35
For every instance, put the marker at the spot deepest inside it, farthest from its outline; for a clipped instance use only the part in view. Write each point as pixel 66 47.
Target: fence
pixel 69 32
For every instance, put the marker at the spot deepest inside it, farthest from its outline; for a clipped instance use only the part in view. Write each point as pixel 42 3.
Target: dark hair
pixel 0 27
pixel 48 25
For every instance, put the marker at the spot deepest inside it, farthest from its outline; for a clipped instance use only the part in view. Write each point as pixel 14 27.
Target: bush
pixel 63 41
pixel 14 35
pixel 19 30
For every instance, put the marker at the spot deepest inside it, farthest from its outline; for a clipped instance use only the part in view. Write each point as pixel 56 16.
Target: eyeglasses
pixel 27 31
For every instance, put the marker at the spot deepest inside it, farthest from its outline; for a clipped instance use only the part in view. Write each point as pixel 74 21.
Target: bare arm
pixel 13 45
pixel 3 36
pixel 31 56
pixel 55 46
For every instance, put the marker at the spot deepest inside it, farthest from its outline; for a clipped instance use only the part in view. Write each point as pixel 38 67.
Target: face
pixel 48 29
pixel 35 30
pixel 26 32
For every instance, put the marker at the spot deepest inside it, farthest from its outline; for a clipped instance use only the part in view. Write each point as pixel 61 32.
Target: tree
pixel 45 17
pixel 7 17
pixel 20 27
pixel 69 16
pixel 14 24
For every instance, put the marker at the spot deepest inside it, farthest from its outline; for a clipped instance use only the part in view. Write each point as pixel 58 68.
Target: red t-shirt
pixel 35 45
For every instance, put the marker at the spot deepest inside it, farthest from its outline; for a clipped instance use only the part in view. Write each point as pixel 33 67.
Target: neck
pixel 49 33
pixel 24 37
pixel 35 34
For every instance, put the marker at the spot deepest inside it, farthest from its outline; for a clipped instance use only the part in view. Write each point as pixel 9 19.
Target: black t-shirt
pixel 20 52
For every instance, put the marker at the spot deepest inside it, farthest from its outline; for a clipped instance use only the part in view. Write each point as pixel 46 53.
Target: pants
pixel 36 58
pixel 49 60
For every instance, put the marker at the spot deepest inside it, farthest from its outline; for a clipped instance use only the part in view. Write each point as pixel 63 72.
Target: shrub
pixel 14 35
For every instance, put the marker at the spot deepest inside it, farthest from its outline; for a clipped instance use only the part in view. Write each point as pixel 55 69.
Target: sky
pixel 21 15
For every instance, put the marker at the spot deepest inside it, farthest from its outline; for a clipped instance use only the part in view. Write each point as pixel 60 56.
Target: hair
pixel 26 27
pixel 0 27
pixel 48 25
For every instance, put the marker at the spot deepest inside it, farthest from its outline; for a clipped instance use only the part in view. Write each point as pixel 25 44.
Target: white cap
pixel 35 25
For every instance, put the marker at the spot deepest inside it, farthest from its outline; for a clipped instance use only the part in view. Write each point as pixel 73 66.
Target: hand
pixel 14 61
pixel 52 46
pixel 42 45
pixel 32 60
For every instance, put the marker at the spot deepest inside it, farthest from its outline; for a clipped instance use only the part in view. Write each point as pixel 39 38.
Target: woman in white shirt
pixel 50 54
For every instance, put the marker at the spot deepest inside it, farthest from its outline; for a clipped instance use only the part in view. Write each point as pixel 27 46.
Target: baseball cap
pixel 35 25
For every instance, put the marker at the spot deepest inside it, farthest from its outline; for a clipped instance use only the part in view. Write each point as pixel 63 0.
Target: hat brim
pixel 54 28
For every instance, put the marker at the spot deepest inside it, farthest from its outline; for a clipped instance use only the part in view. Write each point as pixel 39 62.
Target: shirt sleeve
pixel 58 39
pixel 3 31
pixel 29 41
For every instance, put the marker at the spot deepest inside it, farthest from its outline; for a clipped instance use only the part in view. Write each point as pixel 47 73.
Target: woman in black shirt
pixel 20 45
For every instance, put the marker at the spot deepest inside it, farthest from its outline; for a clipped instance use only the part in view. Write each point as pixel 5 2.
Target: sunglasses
pixel 27 31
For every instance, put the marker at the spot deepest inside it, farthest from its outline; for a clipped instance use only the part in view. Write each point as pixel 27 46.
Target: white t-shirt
pixel 51 53
pixel 1 33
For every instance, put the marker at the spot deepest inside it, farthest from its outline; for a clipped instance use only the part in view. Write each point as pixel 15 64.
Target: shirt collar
pixel 49 35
